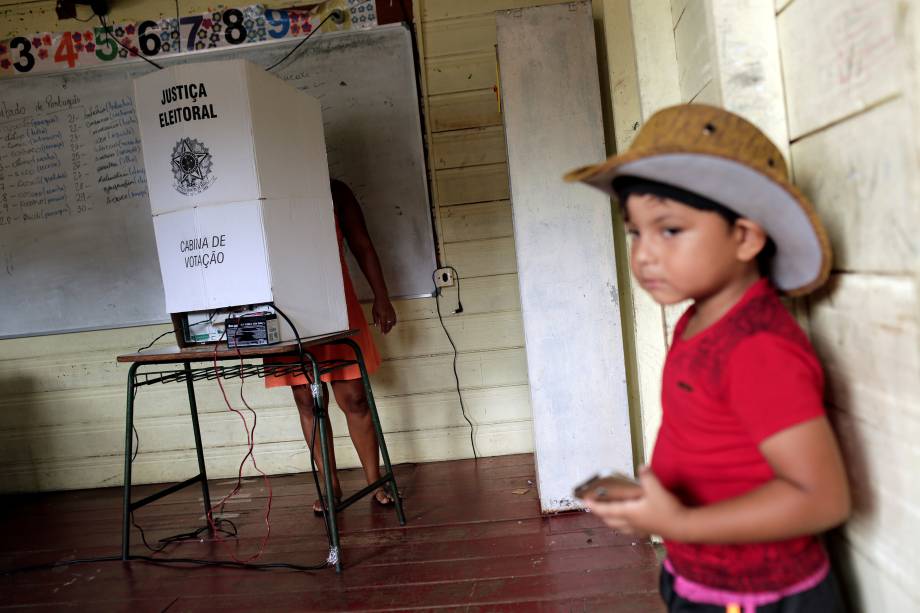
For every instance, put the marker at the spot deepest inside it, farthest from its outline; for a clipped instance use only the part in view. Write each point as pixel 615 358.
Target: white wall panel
pixel 564 245
pixel 864 188
pixel 839 57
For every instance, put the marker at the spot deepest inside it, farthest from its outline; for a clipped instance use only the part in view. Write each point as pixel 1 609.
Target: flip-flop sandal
pixel 388 495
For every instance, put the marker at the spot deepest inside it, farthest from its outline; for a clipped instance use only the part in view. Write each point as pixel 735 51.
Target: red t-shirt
pixel 748 376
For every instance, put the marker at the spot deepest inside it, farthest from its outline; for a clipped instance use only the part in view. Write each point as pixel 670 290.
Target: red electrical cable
pixel 265 479
pixel 250 440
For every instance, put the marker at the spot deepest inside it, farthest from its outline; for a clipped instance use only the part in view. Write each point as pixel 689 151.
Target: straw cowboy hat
pixel 718 155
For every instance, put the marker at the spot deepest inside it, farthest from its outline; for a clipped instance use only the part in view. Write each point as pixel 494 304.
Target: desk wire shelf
pixel 236 371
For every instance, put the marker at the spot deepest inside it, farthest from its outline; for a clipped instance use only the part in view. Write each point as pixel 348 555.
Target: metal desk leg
pixel 202 472
pixel 320 413
pixel 129 450
pixel 394 490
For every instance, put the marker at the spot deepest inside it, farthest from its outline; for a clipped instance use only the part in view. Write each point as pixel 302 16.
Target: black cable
pixel 312 446
pixel 108 35
pixel 165 542
pixel 228 564
pixel 178 537
pixel 150 344
pixel 249 440
pixel 420 97
pixel 306 375
pixel 196 533
pixel 184 536
pixel 333 555
pixel 58 564
pixel 437 302
pixel 250 454
pixel 137 437
pixel 405 13
pixel 339 18
pixel 144 537
pixel 178 41
pixel 197 323
pixel 168 562
pixel 188 536
pixel 459 308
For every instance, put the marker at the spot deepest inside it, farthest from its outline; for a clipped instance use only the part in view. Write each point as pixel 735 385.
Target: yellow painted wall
pixel 62 396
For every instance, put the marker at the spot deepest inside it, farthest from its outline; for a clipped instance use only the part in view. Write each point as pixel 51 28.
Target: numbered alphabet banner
pixel 99 44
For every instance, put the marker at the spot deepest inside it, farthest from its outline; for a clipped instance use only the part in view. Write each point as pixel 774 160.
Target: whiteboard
pixel 77 250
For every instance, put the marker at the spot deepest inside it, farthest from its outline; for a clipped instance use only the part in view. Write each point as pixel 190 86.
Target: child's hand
pixel 658 511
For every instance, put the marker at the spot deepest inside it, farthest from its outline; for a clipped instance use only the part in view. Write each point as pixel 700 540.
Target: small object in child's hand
pixel 611 488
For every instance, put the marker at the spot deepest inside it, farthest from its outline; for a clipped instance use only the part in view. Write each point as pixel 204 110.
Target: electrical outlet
pixel 444 277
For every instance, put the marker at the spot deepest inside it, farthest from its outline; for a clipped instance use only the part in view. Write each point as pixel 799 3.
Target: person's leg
pixel 352 399
pixel 303 398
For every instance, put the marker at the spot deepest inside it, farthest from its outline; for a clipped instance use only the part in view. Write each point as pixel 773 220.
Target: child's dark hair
pixel 624 186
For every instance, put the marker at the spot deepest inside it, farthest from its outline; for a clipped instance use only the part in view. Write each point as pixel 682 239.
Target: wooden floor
pixel 474 541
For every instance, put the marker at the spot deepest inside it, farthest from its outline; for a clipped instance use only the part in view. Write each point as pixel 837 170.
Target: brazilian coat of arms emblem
pixel 192 167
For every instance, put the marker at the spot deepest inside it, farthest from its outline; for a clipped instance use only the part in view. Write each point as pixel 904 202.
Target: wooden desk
pixel 160 366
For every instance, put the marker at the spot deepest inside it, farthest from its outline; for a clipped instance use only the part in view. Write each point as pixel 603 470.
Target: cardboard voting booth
pixel 239 192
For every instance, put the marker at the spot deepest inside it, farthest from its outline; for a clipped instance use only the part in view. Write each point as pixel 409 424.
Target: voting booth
pixel 239 192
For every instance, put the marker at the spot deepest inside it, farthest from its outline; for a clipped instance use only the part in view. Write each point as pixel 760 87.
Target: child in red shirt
pixel 746 470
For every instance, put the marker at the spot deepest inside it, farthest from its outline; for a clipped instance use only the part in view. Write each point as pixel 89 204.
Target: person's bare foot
pixel 318 504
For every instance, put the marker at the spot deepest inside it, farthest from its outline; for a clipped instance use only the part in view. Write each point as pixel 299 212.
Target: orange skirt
pixel 328 353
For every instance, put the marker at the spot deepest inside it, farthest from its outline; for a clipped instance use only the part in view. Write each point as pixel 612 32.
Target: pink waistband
pixel 699 593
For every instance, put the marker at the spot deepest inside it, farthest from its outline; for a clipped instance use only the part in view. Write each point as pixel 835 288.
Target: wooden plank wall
pixel 639 65
pixel 851 83
pixel 849 75
pixel 62 400
pixel 698 81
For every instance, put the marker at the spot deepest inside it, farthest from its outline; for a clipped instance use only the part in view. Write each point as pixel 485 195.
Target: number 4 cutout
pixel 65 52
